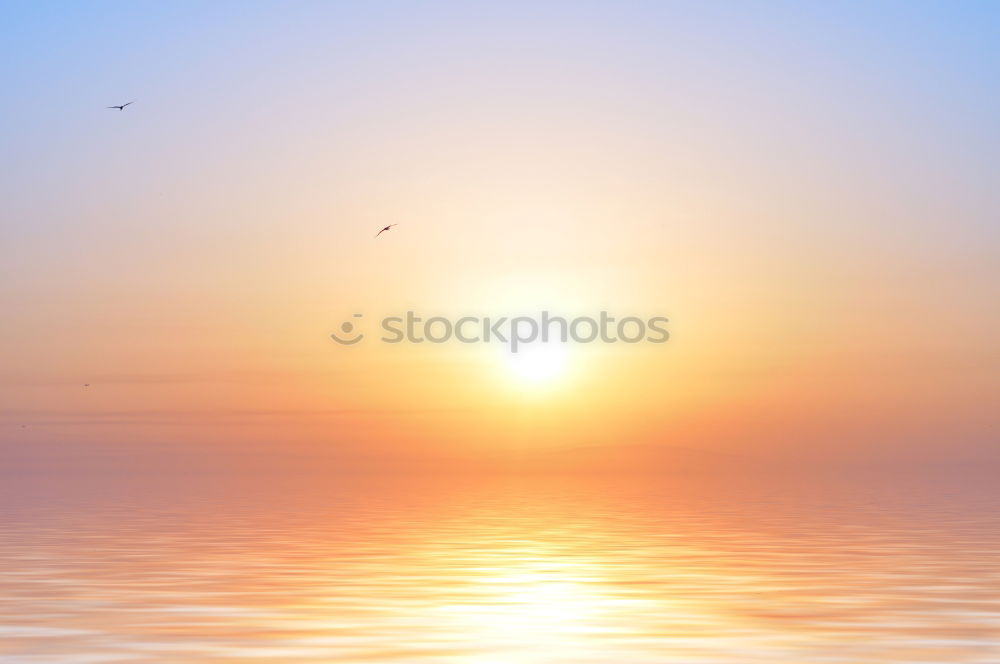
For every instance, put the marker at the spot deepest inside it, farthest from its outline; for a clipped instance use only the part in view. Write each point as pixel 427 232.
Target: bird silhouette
pixel 385 229
pixel 122 107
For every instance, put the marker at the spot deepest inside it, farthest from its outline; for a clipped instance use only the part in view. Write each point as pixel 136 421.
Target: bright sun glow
pixel 538 363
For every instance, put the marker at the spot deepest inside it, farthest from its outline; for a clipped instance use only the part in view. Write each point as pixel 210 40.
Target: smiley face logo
pixel 347 327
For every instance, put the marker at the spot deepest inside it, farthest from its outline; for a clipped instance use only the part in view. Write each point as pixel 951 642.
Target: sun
pixel 538 363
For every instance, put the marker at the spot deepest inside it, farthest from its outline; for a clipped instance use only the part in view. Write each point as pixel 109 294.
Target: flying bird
pixel 385 229
pixel 122 107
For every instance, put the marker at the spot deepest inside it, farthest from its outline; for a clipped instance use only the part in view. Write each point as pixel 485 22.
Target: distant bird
pixel 385 229
pixel 122 107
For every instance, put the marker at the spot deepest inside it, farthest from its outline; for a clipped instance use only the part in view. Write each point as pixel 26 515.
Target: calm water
pixel 499 572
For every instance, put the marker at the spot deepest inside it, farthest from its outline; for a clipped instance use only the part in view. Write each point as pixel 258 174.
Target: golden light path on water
pixel 500 572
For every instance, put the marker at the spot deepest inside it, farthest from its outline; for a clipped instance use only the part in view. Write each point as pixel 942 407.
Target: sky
pixel 806 190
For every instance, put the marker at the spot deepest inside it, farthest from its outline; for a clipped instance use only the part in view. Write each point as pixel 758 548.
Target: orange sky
pixel 820 234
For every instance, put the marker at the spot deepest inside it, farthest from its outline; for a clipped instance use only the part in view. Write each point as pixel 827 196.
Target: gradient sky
pixel 808 191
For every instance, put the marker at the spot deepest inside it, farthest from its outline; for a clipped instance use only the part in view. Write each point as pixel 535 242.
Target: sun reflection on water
pixel 530 573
